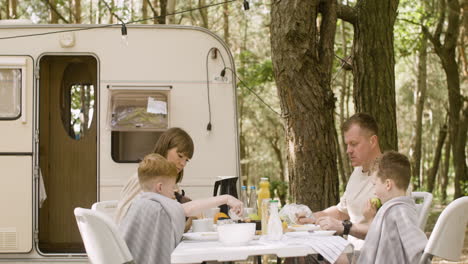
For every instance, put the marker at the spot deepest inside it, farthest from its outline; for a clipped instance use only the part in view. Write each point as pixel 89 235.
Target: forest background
pixel 404 62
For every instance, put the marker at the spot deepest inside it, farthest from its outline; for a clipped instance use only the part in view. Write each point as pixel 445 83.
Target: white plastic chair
pixel 103 242
pixel 422 208
pixel 107 207
pixel 446 240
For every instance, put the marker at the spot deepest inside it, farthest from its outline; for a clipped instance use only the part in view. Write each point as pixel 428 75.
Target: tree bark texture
pixel 302 56
pixel 446 51
pixel 373 66
pixel 435 163
pixel 420 99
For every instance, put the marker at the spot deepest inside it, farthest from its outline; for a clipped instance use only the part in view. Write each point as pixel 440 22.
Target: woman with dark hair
pixel 176 146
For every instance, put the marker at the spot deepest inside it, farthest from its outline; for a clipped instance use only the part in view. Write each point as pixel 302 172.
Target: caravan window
pixel 137 116
pixel 10 93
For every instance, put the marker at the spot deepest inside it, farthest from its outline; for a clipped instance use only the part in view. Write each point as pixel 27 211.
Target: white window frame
pixel 14 63
pixel 137 88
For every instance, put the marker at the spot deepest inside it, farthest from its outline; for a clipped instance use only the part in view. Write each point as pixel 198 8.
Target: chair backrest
pixel 446 240
pixel 107 207
pixel 422 208
pixel 103 242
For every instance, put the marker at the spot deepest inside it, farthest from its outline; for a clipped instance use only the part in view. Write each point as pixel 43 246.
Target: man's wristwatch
pixel 347 226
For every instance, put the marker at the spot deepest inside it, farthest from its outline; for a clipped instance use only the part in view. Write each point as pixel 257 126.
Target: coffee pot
pixel 225 185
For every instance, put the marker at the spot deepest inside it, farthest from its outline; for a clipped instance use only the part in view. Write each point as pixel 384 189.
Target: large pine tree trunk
pixel 373 66
pixel 302 58
pixel 420 99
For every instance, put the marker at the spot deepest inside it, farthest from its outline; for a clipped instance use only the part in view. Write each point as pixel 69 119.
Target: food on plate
pixel 218 216
pixel 254 217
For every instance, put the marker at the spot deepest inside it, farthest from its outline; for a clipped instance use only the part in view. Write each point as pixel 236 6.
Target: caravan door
pixel 68 106
pixel 16 144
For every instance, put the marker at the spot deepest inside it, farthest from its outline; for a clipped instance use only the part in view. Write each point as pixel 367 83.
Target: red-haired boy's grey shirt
pixel 394 236
pixel 153 227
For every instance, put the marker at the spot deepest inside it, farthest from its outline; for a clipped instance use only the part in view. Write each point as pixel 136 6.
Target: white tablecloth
pixel 330 247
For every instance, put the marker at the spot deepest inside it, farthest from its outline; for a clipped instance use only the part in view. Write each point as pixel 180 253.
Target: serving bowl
pixel 236 234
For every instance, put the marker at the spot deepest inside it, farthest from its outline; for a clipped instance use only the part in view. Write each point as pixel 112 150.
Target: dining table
pixel 293 244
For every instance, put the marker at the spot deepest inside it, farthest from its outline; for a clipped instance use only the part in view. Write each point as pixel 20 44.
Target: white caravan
pixel 80 107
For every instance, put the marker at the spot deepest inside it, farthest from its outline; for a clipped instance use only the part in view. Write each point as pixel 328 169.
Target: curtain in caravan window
pixel 10 93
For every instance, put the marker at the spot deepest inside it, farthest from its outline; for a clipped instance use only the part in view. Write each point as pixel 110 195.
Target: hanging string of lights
pixel 122 23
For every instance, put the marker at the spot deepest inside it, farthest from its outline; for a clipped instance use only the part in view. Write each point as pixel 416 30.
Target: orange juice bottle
pixel 263 193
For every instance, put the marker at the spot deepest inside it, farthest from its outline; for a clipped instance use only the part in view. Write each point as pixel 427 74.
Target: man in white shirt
pixel 360 133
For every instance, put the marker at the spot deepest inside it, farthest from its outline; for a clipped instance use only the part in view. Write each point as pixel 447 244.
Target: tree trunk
pixel 162 17
pixel 14 7
pixel 302 56
pixel 344 98
pixel 445 170
pixel 78 11
pixel 144 11
pixel 420 99
pixel 171 4
pixel 447 54
pixel 203 13
pixel 54 16
pixel 341 170
pixel 7 9
pixel 373 66
pixel 111 16
pixel 226 22
pixel 437 154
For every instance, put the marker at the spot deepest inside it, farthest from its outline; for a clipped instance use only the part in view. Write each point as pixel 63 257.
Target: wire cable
pixel 252 91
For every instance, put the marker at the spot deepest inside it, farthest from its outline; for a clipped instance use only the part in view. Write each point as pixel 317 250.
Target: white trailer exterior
pixel 165 68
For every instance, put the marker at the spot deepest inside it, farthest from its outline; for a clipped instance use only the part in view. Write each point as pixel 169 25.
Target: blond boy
pixel 154 223
pixel 393 236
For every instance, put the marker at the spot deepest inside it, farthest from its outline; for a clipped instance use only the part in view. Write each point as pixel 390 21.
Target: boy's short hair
pixel 395 166
pixel 152 167
pixel 363 120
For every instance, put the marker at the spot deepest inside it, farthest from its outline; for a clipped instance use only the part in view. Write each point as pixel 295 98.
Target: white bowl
pixel 236 234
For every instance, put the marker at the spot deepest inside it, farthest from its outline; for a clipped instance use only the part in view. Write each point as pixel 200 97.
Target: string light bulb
pixel 124 34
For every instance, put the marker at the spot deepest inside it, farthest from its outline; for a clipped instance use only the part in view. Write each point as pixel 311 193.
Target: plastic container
pixel 275 227
pixel 243 196
pixel 263 193
pixel 253 199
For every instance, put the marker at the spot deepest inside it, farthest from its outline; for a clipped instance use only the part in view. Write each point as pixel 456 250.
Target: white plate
pixel 323 233
pixel 202 236
pixel 308 227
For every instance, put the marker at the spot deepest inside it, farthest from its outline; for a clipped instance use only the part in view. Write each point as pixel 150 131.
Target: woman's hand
pixel 236 205
pixel 369 211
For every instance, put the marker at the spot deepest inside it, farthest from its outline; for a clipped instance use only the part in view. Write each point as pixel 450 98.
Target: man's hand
pixel 369 211
pixel 330 223
pixel 302 219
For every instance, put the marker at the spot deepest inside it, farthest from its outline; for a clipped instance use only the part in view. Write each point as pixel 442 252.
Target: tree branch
pixel 56 11
pixel 155 13
pixel 346 13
